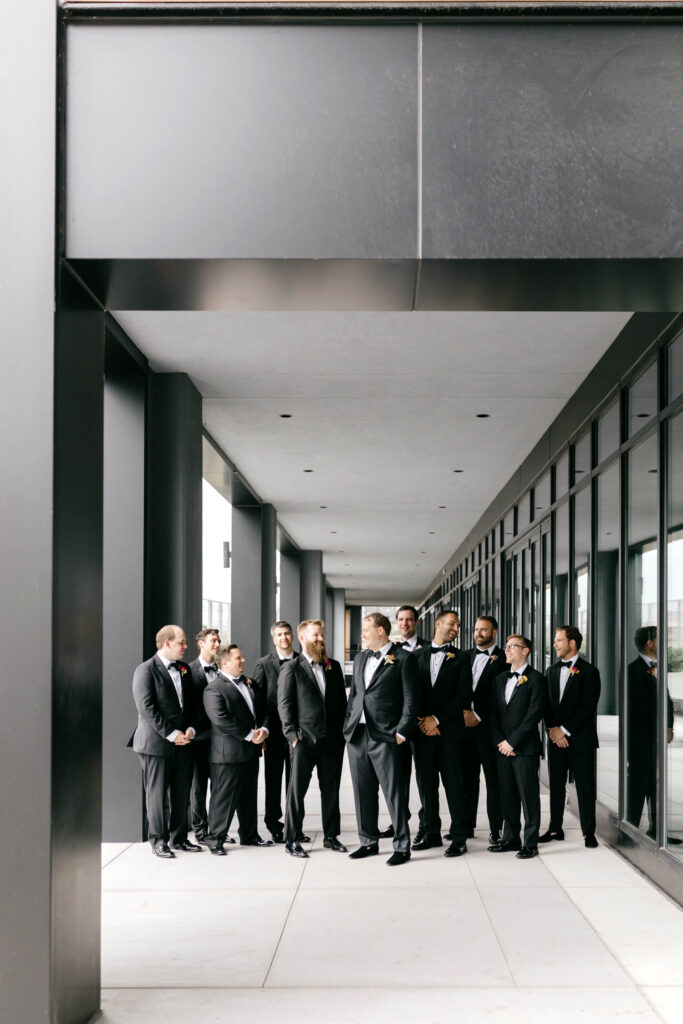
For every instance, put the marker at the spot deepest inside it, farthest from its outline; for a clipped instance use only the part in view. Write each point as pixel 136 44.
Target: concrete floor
pixel 574 935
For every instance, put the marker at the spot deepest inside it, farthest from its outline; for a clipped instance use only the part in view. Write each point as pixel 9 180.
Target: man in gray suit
pixel 380 717
pixel 165 700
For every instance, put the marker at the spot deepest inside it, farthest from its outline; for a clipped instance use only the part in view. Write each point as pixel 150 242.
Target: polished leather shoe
pixel 187 846
pixel 399 857
pixel 278 837
pixel 387 833
pixel 527 852
pixel 294 850
pixel 163 850
pixel 549 836
pixel 448 836
pixel 427 843
pixel 230 840
pixel 455 850
pixel 590 841
pixel 218 851
pixel 504 847
pixel 364 851
pixel 332 843
pixel 301 838
pixel 259 842
pixel 494 837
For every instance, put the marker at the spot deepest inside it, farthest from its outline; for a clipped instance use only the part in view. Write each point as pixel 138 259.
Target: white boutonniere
pixel 390 659
pixel 521 680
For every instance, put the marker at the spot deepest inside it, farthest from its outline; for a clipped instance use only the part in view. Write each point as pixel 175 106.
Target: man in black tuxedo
pixel 165 700
pixel 486 662
pixel 276 755
pixel 571 720
pixel 312 701
pixel 380 716
pixel 406 621
pixel 517 703
pixel 641 731
pixel 202 670
pixel 239 727
pixel 443 675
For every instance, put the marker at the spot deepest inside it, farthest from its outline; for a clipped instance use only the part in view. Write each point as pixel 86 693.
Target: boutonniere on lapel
pixel 573 671
pixel 418 647
pixel 248 681
pixel 328 666
pixel 652 671
pixel 390 659
pixel 493 657
pixel 449 654
pixel 182 670
pixel 522 680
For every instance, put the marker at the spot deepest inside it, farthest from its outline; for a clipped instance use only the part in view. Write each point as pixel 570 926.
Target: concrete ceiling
pixel 383 409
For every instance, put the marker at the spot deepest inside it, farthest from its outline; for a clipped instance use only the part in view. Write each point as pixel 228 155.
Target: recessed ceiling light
pixel 642 415
pixel 458 470
pixel 483 415
pixel 423 552
pixel 285 415
pixel 308 471
pixel 432 532
pixel 333 531
pixel 417 565
pixel 322 506
pixel 652 470
pixel 442 506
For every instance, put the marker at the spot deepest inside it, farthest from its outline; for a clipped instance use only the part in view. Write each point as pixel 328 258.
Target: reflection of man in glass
pixel 642 728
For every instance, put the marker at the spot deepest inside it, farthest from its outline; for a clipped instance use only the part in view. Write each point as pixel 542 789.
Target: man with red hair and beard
pixel 311 702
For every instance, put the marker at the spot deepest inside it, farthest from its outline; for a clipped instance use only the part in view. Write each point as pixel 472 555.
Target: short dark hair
pixel 380 621
pixel 407 608
pixel 203 633
pixel 520 636
pixel 280 624
pixel 643 634
pixel 490 619
pixel 447 611
pixel 223 652
pixel 572 633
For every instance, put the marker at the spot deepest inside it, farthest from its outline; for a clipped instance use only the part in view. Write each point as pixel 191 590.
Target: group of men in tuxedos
pixel 454 713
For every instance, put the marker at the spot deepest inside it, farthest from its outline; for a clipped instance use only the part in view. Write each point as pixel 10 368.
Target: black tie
pixel 511 674
pixel 211 668
pixel 375 654
pixel 566 664
pixel 285 659
pixel 439 650
pixel 241 679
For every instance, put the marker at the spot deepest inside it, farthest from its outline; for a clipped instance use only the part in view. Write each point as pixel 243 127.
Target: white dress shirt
pixel 436 660
pixel 481 660
pixel 511 684
pixel 318 672
pixel 247 695
pixel 564 679
pixel 371 665
pixel 411 643
pixel 173 672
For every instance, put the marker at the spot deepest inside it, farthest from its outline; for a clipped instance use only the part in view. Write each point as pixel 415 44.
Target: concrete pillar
pixel 268 574
pixel 339 623
pixel 290 588
pixel 354 628
pixel 246 581
pixel 312 585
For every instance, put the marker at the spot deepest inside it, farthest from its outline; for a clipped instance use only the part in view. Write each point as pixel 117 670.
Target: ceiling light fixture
pixel 483 415
pixel 322 506
pixel 458 470
pixel 308 471
pixel 285 415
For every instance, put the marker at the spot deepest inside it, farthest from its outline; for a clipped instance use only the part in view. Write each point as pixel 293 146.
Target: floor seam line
pixel 493 928
pixel 282 931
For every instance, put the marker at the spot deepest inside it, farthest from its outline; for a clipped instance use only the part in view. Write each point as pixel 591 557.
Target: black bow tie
pixel 512 675
pixel 211 668
pixel 375 654
pixel 241 679
pixel 485 653
pixel 566 664
pixel 285 659
pixel 439 650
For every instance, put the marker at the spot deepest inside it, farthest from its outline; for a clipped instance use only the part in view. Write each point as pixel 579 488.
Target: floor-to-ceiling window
pixel 216 543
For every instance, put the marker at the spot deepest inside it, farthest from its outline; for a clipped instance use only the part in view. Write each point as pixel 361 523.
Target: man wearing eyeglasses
pixel 519 697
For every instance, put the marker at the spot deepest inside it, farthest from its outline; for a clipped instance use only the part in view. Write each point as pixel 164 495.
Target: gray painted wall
pixel 246 582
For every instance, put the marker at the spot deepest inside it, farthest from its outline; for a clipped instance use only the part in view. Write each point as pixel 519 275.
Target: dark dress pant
pixel 233 788
pixel 167 789
pixel 200 782
pixel 327 759
pixel 439 757
pixel 519 790
pixel 276 759
pixel 581 763
pixel 375 764
pixel 479 752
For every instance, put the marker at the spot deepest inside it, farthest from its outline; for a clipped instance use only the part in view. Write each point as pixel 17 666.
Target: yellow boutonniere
pixel 493 657
pixel 573 671
pixel 328 666
pixel 449 654
pixel 522 679
pixel 390 659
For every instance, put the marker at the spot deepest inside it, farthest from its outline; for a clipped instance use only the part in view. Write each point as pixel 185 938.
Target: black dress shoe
pixel 202 839
pixel 549 836
pixel 388 833
pixel 301 838
pixel 427 843
pixel 505 847
pixel 527 852
pixel 218 851
pixel 364 851
pixel 589 841
pixel 332 843
pixel 187 846
pixel 278 837
pixel 448 836
pixel 399 857
pixel 163 850
pixel 294 850
pixel 494 837
pixel 455 850
pixel 230 840
pixel 258 842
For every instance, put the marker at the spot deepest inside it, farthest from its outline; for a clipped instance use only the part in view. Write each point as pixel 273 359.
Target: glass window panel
pixel 509 526
pixel 674 700
pixel 493 542
pixel 562 476
pixel 608 432
pixel 216 576
pixel 536 605
pixel 582 566
pixel 606 644
pixel 675 365
pixel 641 636
pixel 542 496
pixel 524 513
pixel 547 602
pixel 582 458
pixel 561 541
pixel 642 400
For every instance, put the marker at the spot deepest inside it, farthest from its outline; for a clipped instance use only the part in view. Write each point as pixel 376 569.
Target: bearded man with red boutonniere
pixel 517 705
pixel 571 721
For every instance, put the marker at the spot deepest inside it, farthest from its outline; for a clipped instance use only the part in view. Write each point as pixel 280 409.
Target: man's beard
pixel 316 651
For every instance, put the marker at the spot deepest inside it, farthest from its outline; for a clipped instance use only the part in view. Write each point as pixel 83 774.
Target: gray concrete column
pixel 312 585
pixel 174 506
pixel 268 574
pixel 328 616
pixel 290 588
pixel 354 628
pixel 246 581
pixel 339 623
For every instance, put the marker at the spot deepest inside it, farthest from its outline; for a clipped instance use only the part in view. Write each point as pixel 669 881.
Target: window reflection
pixel 641 637
pixel 642 400
pixel 582 554
pixel 675 364
pixel 608 432
pixel 562 564
pixel 607 634
pixel 674 760
pixel 582 458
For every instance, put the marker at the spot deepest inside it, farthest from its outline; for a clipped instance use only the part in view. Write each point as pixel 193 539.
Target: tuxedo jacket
pixel 517 722
pixel 159 711
pixel 390 701
pixel 641 709
pixel 421 642
pixel 304 713
pixel 481 697
pixel 199 682
pixel 266 676
pixel 579 705
pixel 451 693
pixel 231 720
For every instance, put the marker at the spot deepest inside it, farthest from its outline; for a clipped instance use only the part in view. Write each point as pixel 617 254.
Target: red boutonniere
pixel 521 680
pixel 248 681
pixel 652 671
pixel 328 666
pixel 390 659
pixel 573 671
pixel 183 670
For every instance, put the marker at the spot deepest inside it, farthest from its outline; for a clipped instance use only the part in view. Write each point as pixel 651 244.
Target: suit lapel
pixel 382 667
pixel 310 676
pixel 165 677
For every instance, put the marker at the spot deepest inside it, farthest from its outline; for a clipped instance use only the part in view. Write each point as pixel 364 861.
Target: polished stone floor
pixel 574 935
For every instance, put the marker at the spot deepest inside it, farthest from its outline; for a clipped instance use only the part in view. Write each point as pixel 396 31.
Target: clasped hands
pixel 183 738
pixel 259 735
pixel 505 748
pixel 428 726
pixel 558 737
